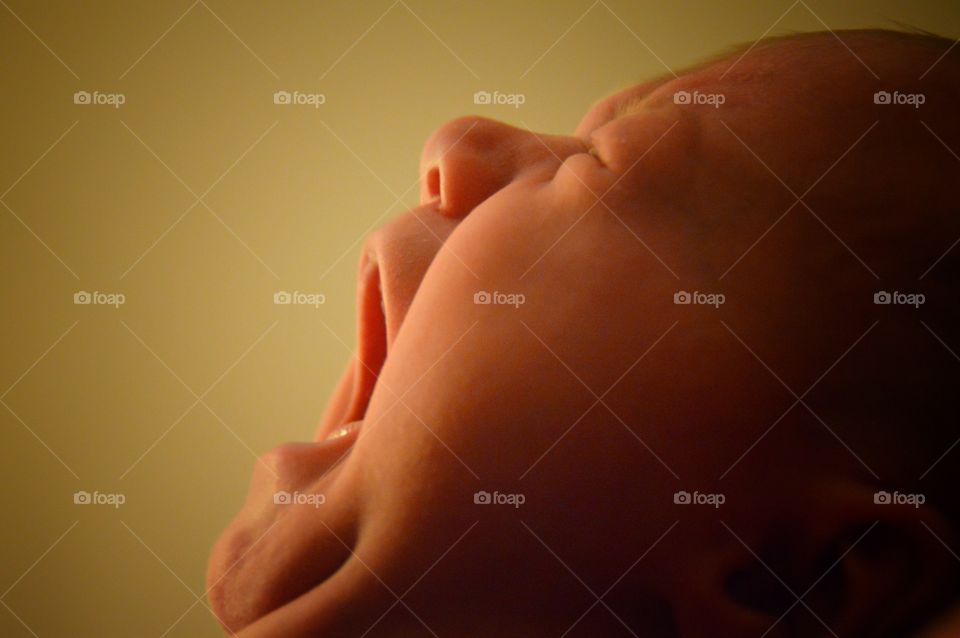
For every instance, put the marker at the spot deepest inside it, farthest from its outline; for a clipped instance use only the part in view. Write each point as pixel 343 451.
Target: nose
pixel 470 158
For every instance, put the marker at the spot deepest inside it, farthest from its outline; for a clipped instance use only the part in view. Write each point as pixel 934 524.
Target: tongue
pixel 344 430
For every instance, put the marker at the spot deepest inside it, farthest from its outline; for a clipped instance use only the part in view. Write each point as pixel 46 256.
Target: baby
pixel 691 371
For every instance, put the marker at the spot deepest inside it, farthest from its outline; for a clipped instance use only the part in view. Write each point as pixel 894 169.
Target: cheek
pixel 580 182
pixel 497 241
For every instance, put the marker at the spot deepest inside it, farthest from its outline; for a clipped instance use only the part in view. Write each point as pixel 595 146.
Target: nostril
pixel 433 183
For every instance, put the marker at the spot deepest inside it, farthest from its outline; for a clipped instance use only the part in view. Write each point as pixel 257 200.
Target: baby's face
pixel 529 346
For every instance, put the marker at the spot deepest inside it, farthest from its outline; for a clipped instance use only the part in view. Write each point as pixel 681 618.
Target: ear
pixel 861 566
pixel 887 555
pixel 946 626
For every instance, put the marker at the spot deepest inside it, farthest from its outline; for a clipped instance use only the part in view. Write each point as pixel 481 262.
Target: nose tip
pixel 461 164
pixel 468 159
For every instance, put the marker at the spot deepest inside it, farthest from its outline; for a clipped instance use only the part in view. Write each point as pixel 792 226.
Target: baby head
pixel 689 371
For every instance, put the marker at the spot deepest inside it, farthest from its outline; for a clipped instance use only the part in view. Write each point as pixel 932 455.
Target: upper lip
pixel 371 337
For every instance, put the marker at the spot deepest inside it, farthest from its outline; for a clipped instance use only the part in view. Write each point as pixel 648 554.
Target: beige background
pixel 198 199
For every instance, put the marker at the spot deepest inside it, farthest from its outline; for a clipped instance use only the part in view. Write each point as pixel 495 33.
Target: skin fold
pixel 598 398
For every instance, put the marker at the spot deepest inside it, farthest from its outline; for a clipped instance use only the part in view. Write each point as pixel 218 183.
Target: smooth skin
pixel 599 398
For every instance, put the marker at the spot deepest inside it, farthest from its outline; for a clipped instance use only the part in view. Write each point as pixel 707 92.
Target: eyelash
pixel 595 154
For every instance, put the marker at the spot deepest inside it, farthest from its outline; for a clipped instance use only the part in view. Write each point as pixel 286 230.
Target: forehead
pixel 737 68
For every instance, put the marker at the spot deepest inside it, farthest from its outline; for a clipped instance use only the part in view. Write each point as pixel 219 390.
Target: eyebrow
pixel 632 104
